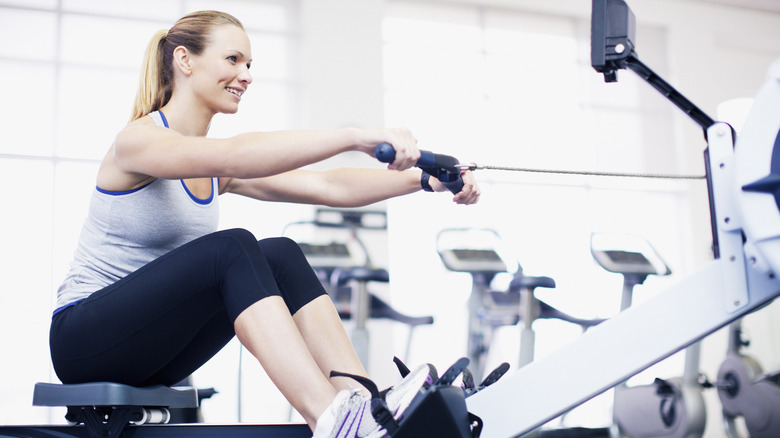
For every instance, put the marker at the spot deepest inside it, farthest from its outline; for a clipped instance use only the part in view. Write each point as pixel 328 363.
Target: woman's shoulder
pixel 146 120
pixel 141 130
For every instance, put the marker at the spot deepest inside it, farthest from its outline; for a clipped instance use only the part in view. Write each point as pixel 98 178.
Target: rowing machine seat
pixel 106 408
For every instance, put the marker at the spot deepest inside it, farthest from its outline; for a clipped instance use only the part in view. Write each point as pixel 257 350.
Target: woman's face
pixel 221 72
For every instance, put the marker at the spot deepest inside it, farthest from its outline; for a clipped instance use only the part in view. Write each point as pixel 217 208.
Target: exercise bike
pixel 335 248
pixel 672 408
pixel 746 391
pixel 675 407
pixel 481 253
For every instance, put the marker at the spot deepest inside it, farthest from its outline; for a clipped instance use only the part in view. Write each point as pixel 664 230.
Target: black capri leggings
pixel 162 322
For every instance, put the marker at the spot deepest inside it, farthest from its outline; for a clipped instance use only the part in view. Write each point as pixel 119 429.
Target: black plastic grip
pixel 441 167
pixel 385 152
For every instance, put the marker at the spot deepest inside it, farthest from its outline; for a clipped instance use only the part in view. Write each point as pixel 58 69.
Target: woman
pixel 154 290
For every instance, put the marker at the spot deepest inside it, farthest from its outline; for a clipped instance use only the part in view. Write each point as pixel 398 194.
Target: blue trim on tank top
pixel 195 198
pixel 164 120
pixel 122 192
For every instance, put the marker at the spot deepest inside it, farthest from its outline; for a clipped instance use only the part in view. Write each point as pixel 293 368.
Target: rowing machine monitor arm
pixel 612 47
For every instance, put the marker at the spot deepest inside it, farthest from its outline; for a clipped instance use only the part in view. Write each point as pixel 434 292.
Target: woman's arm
pixel 345 187
pixel 145 149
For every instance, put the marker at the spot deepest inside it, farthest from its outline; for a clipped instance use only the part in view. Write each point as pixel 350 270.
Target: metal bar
pixel 694 112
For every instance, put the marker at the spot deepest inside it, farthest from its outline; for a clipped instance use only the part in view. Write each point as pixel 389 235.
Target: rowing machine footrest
pixel 439 412
pixel 106 408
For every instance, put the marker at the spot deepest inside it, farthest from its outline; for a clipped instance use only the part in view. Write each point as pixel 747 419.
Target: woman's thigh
pixel 174 310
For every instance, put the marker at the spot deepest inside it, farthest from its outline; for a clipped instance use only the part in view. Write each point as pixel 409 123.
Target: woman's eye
pixel 232 58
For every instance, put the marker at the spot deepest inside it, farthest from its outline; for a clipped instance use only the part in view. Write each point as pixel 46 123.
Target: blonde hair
pixel 156 82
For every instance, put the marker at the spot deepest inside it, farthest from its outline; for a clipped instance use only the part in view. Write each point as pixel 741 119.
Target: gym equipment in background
pixel 746 391
pixel 337 252
pixel 482 254
pixel 672 408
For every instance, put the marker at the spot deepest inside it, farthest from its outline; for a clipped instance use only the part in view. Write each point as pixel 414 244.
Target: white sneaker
pixel 400 396
pixel 348 416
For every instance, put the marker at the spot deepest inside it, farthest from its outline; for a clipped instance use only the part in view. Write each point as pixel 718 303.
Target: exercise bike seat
pixel 531 282
pixel 378 308
pixel 549 312
pixel 381 309
pixel 342 276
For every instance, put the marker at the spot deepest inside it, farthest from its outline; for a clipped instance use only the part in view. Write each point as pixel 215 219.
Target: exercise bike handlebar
pixel 442 167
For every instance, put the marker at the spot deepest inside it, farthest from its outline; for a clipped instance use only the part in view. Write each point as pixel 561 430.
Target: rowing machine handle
pixel 442 167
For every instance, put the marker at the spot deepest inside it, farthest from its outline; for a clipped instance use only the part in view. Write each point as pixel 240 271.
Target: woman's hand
pixel 402 140
pixel 470 192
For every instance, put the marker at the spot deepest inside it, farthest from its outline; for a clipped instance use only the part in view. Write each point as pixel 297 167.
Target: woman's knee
pixel 297 281
pixel 283 251
pixel 275 250
pixel 280 245
pixel 238 243
pixel 239 234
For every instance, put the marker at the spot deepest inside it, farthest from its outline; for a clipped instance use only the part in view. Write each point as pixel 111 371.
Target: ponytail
pixel 153 90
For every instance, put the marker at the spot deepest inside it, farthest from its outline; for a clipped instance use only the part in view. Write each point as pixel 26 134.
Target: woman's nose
pixel 245 77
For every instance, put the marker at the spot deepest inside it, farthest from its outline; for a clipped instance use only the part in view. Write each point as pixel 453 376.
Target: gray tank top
pixel 126 230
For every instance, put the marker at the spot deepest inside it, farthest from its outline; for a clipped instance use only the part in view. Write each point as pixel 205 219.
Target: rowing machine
pixel 744 190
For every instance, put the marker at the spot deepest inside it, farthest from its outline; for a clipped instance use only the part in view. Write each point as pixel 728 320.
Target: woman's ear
pixel 182 60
